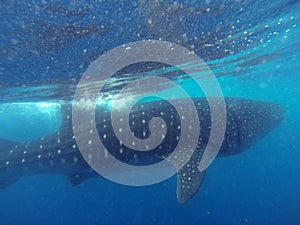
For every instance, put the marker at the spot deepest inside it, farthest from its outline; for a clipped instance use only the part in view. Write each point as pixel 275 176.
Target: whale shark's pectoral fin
pixel 77 178
pixel 7 181
pixel 189 181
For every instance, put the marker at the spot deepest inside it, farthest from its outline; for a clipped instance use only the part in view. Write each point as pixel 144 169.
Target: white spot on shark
pixel 75 159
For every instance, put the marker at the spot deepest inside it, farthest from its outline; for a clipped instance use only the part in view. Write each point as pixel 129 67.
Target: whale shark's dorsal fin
pixel 189 181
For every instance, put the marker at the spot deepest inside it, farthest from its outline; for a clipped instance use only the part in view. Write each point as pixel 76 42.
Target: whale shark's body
pixel 247 122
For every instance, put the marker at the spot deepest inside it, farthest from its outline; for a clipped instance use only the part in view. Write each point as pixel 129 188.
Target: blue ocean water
pixel 252 48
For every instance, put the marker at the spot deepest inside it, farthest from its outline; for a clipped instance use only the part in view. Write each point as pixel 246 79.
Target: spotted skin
pixel 247 122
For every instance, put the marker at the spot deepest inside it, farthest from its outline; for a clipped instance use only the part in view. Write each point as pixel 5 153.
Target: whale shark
pixel 58 153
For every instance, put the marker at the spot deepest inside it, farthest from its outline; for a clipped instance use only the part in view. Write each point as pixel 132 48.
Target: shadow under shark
pixel 247 122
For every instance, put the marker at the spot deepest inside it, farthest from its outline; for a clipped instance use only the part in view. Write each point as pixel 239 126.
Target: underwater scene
pixel 150 112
